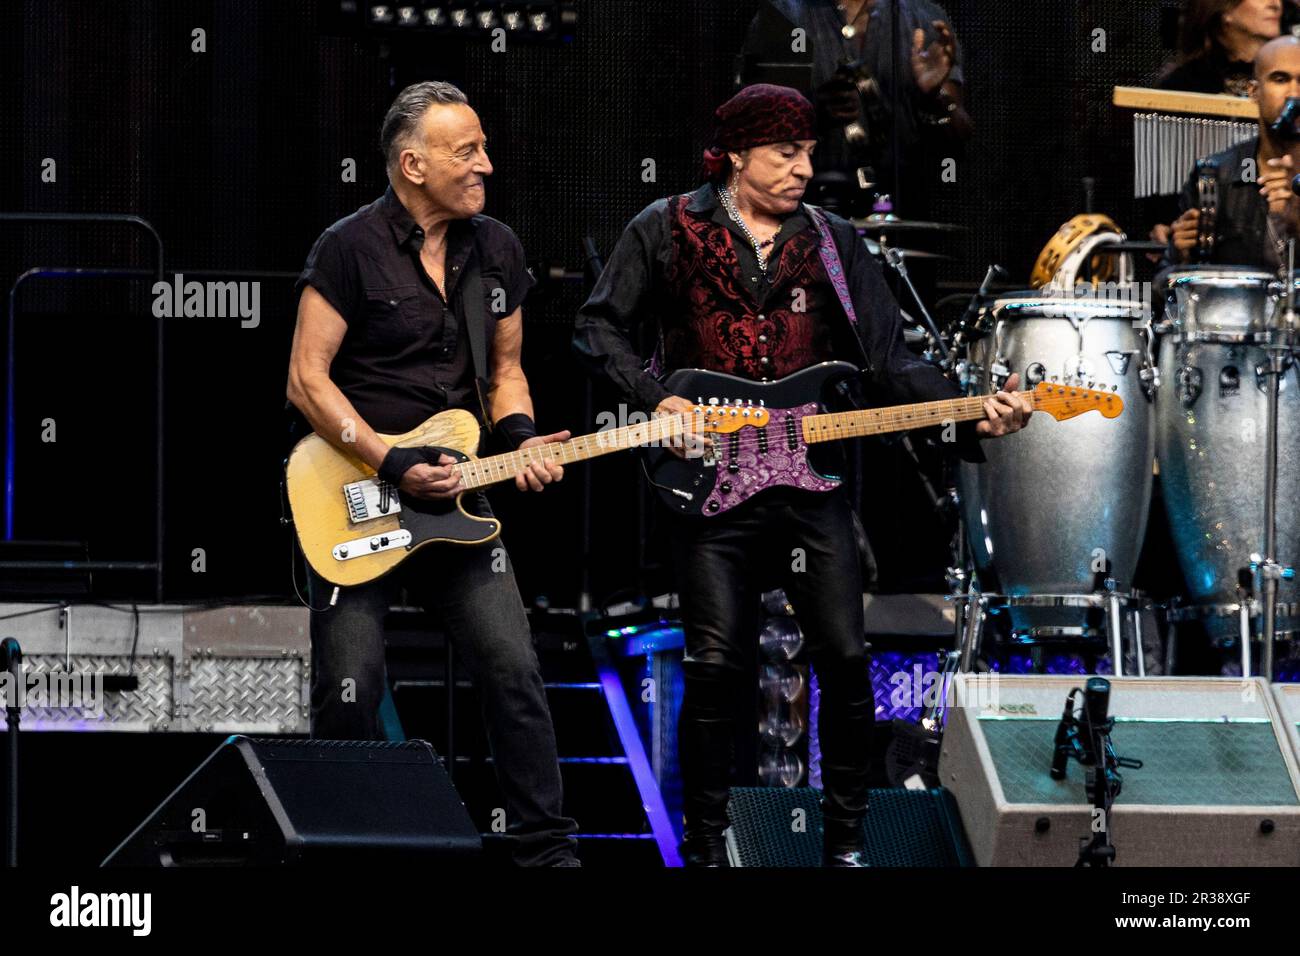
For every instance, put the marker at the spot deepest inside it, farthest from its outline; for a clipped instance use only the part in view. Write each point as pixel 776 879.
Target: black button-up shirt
pixel 631 290
pixel 406 354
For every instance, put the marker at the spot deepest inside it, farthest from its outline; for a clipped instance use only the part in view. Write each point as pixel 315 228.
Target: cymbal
pixel 878 223
pixel 873 247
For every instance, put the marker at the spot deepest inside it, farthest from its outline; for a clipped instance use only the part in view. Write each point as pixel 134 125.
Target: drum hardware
pixel 999 372
pixel 1112 602
pixel 938 353
pixel 1188 385
pixel 1264 372
pixel 883 224
pixel 877 249
pixel 1244 613
pixel 1230 381
pixel 1119 359
pixel 1269 570
pixel 971 326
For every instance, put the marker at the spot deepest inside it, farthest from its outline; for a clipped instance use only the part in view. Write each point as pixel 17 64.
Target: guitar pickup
pixel 370 498
pixel 372 544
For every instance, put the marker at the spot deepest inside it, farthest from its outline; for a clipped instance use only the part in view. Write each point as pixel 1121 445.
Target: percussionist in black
pixel 382 343
pixel 732 278
pixel 1257 209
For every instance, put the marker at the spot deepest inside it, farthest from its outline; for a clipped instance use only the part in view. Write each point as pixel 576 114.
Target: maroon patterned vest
pixel 712 320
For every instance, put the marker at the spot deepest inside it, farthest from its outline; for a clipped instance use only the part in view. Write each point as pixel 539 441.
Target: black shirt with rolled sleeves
pixel 631 290
pixel 405 355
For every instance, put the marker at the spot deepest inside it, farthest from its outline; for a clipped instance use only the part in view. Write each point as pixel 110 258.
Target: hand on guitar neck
pixel 1007 411
pixel 689 444
pixel 441 481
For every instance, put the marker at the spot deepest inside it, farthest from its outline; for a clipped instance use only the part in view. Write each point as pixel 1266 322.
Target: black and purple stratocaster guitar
pixel 775 454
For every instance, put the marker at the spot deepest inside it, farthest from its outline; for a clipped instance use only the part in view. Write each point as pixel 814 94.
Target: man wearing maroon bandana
pixel 732 277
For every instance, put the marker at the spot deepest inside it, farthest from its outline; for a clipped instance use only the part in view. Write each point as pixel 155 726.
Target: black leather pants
pixel 807 539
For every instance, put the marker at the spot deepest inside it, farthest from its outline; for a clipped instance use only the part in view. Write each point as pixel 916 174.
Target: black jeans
pixel 472 589
pixel 808 539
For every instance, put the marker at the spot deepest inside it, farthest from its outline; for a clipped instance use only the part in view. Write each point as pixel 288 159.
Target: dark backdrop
pixel 235 156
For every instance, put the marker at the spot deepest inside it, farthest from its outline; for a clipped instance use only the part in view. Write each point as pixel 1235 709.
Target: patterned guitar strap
pixel 830 257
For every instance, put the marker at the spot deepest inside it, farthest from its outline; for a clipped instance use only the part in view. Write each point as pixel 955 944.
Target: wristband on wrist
pixel 514 430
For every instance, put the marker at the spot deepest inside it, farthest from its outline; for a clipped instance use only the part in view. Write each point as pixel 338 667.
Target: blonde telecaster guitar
pixel 354 528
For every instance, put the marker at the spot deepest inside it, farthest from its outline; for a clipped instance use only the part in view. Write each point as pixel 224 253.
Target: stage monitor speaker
pixel 272 802
pixel 1287 698
pixel 1218 787
pixel 782 827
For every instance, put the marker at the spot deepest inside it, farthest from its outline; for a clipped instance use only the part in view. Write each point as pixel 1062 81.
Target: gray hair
pixel 403 117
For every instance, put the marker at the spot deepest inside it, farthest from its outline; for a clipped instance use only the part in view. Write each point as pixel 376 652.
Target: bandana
pixel 756 116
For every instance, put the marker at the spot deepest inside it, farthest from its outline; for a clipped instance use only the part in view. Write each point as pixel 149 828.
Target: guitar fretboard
pixel 481 472
pixel 897 418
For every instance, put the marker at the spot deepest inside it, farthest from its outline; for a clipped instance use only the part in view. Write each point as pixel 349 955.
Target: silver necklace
pixel 729 204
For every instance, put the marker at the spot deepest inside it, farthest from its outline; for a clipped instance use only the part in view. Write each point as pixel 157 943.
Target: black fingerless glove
pixel 513 430
pixel 397 462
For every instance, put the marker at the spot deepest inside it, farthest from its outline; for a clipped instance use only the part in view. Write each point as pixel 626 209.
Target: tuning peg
pixel 700 400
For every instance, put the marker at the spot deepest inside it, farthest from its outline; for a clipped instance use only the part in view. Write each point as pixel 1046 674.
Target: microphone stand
pixel 1279 360
pixel 896 260
pixel 593 266
pixel 11 665
pixel 1091 746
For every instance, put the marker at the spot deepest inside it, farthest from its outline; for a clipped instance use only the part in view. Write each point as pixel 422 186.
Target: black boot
pixel 846 722
pixel 706 751
pixel 842 844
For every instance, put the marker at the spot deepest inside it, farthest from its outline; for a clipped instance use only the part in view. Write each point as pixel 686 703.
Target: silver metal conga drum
pixel 1060 508
pixel 1212 439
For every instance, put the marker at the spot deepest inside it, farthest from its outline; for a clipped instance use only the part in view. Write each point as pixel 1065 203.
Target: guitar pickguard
pixel 776 456
pixel 750 460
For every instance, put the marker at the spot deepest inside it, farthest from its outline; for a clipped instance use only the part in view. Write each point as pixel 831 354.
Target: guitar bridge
pixel 370 498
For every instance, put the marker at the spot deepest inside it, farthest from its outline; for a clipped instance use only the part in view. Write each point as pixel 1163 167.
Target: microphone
pixel 1096 705
pixel 1295 184
pixel 1061 749
pixel 1287 124
pixel 971 315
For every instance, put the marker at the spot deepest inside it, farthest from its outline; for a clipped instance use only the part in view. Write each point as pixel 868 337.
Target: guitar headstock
pixel 1063 400
pixel 729 417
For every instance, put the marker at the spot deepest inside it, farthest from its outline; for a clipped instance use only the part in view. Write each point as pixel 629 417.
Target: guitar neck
pixel 895 418
pixel 481 472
